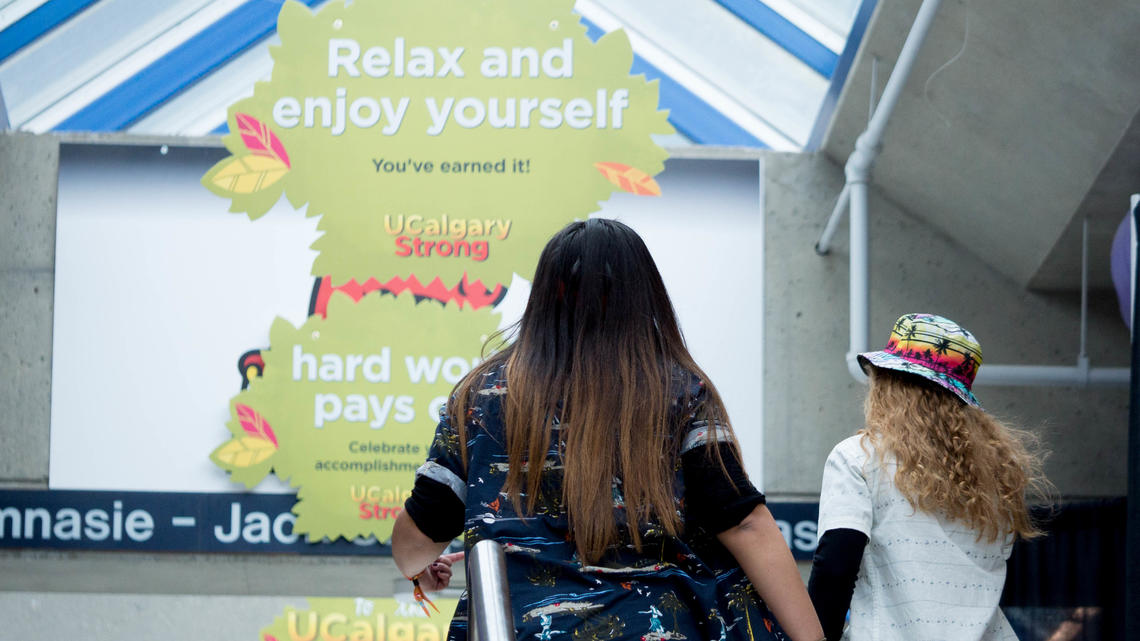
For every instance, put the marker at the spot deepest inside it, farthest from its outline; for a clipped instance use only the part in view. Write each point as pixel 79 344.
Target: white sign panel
pixel 159 290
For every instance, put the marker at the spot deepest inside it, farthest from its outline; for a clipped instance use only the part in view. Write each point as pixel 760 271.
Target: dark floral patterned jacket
pixel 686 587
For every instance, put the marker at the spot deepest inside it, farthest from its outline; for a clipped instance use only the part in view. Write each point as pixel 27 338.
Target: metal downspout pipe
pixel 855 192
pixel 855 196
pixel 1081 374
pixel 860 288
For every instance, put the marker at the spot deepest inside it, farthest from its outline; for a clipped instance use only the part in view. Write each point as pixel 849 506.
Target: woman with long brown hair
pixel 596 451
pixel 924 503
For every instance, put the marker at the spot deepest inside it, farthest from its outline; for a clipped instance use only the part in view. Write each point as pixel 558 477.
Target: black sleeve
pixel 435 509
pixel 711 501
pixel 833 573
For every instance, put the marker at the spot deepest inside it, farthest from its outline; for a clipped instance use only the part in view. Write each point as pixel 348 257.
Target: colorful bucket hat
pixel 935 348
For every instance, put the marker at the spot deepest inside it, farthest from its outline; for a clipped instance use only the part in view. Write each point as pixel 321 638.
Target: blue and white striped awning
pixel 733 72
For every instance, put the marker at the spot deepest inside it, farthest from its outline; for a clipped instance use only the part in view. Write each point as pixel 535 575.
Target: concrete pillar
pixel 28 174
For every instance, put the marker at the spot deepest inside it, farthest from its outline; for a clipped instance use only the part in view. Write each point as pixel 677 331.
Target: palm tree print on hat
pixel 935 348
pixel 967 367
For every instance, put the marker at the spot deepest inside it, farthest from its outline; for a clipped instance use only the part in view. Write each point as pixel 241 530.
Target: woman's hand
pixel 437 576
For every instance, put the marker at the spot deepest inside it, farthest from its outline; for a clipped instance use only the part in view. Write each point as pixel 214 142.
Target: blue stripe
pixel 40 21
pixel 780 30
pixel 842 69
pixel 170 74
pixel 691 116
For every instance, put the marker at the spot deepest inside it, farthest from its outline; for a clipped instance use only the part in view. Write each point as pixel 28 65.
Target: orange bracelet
pixel 419 595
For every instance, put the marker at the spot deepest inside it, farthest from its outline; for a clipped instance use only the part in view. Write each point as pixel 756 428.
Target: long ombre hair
pixel 598 350
pixel 954 459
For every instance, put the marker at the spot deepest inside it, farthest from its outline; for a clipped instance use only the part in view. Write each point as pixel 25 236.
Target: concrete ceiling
pixel 1019 120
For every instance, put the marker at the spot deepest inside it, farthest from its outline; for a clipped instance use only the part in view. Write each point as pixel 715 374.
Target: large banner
pixel 160 292
pixel 440 143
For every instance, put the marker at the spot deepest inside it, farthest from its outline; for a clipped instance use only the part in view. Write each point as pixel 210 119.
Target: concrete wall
pixel 28 170
pixel 110 596
pixel 811 402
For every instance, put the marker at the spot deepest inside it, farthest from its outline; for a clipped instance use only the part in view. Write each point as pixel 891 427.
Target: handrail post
pixel 489 616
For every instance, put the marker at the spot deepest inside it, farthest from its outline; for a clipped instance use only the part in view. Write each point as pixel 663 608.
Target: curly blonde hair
pixel 953 458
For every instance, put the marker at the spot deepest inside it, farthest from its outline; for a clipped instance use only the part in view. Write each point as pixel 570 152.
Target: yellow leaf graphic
pixel 245 451
pixel 247 174
pixel 629 179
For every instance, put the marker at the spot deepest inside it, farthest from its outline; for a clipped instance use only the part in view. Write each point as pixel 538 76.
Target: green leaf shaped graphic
pixel 440 137
pixel 347 407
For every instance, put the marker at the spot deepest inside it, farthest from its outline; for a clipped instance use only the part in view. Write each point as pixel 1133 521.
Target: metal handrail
pixel 489 616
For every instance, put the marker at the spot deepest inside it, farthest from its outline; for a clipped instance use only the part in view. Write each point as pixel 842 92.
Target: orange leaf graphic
pixel 260 139
pixel 245 451
pixel 247 174
pixel 629 179
pixel 255 424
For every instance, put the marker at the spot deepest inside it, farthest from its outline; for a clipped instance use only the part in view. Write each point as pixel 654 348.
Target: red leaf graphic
pixel 270 637
pixel 630 179
pixel 259 139
pixel 255 424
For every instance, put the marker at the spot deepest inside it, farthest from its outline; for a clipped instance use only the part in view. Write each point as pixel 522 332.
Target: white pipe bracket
pixel 860 162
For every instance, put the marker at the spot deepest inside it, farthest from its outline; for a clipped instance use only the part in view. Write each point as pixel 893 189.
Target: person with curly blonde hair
pixel 919 509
